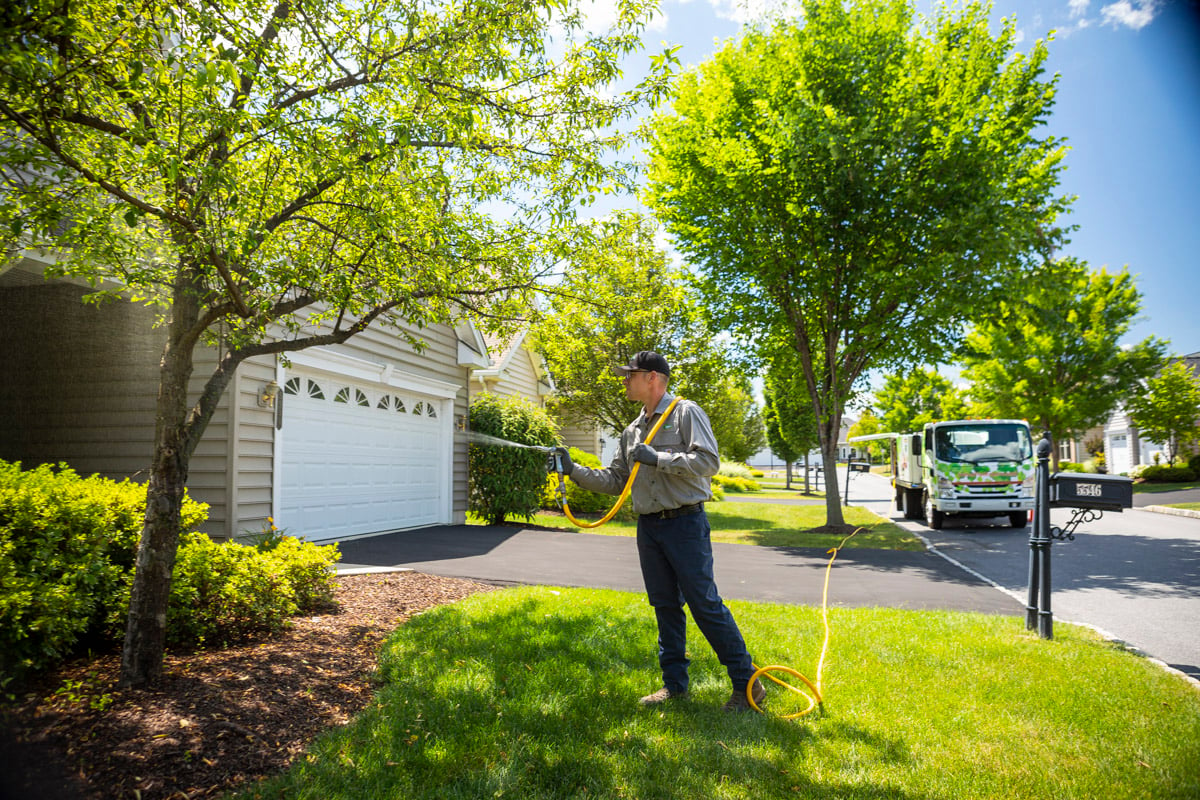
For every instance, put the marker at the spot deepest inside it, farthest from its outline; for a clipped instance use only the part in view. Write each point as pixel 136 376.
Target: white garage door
pixel 359 459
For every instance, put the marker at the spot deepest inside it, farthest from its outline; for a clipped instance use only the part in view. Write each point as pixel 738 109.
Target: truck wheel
pixel 1016 519
pixel 912 504
pixel 933 517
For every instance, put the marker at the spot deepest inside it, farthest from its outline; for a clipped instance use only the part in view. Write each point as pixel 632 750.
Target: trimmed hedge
pixel 1161 473
pixel 67 551
pixel 504 480
pixel 738 485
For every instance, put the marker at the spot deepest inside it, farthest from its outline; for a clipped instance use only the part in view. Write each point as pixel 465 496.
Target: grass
pixel 1187 506
pixel 773 525
pixel 531 693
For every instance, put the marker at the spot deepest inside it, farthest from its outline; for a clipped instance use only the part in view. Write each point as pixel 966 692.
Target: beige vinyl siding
pixel 586 440
pixel 86 396
pixel 252 451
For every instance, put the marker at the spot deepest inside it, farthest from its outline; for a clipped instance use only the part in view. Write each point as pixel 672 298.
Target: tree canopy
pixel 1168 411
pixel 1053 354
pixel 301 169
pixel 909 399
pixel 619 295
pixel 863 180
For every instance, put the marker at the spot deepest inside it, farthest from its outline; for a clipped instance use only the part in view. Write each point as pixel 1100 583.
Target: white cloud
pixel 1078 7
pixel 743 11
pixel 1130 14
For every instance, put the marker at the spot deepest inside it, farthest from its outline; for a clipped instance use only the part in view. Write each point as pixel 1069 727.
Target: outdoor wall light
pixel 267 395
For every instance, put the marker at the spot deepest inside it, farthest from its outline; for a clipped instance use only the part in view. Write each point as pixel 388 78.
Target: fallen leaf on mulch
pixel 218 718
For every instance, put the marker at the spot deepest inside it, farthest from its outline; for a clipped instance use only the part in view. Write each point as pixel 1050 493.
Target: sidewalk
pixel 513 555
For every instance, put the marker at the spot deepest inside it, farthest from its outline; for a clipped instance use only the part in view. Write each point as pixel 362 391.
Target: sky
pixel 1128 105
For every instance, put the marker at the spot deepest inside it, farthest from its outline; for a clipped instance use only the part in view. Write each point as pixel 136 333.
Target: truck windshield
pixel 975 444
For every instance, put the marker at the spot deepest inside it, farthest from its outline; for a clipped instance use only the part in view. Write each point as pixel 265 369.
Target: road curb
pixel 1175 512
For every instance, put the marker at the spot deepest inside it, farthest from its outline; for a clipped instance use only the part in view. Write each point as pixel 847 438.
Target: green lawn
pixel 1159 488
pixel 531 693
pixel 772 525
pixel 1188 506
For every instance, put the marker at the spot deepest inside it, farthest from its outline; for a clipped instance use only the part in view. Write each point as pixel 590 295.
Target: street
pixel 1133 575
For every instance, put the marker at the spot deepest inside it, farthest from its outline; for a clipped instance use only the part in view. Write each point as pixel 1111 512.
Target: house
pixel 1124 448
pixel 517 370
pixel 338 441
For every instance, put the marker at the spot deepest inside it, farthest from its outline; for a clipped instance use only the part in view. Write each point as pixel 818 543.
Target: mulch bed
pixel 219 718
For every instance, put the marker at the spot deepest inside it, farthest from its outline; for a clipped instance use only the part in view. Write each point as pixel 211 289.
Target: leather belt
pixel 672 513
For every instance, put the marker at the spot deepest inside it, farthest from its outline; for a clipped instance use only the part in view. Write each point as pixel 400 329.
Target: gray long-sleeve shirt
pixel 687 460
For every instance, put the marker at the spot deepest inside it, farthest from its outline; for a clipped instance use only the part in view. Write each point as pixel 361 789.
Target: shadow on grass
pixel 536 698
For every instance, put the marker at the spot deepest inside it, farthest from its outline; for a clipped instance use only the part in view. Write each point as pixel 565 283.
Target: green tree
pixel 1168 411
pixel 305 168
pixel 867 425
pixel 736 421
pixel 791 424
pixel 862 181
pixel 508 481
pixel 618 295
pixel 909 399
pixel 1053 353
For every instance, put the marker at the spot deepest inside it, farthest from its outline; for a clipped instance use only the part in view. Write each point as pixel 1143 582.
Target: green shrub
pixel 739 485
pixel 1161 473
pixel 223 592
pixel 1070 466
pixel 67 545
pixel 308 568
pixel 732 469
pixel 1194 463
pixel 508 481
pixel 756 473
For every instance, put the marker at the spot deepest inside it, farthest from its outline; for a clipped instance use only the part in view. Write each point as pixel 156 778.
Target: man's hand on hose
pixel 646 454
pixel 567 464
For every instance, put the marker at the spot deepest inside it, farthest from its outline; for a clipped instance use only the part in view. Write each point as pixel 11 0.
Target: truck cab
pixel 965 468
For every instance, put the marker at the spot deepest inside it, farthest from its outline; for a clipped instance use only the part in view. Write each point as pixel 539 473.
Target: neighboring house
pixel 517 370
pixel 355 439
pixel 1124 449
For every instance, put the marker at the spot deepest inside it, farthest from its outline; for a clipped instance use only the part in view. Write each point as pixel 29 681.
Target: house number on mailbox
pixel 1088 490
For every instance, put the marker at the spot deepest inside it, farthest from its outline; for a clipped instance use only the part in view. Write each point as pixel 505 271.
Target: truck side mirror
pixel 916 444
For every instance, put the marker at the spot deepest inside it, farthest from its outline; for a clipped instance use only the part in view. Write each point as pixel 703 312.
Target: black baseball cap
pixel 646 361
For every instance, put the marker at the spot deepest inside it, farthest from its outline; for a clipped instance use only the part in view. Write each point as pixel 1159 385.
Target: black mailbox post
pixel 1090 496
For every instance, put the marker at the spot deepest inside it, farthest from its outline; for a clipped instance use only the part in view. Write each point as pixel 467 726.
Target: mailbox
pixel 858 466
pixel 1087 490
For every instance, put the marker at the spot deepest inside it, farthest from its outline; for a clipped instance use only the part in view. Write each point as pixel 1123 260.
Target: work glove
pixel 646 454
pixel 567 464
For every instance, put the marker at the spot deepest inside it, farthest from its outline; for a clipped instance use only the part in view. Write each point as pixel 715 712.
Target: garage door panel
pixel 350 468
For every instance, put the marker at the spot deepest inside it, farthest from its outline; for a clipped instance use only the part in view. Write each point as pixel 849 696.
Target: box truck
pixel 963 468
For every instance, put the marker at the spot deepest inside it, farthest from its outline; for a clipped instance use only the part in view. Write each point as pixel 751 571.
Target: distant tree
pixel 736 421
pixel 1168 411
pixel 618 295
pixel 284 175
pixel 907 400
pixel 862 180
pixel 867 425
pixel 1053 354
pixel 791 423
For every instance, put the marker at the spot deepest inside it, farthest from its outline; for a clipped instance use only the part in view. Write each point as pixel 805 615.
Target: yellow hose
pixel 628 484
pixel 815 699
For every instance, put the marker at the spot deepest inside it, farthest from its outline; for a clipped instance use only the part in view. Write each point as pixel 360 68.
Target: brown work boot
pixel 661 696
pixel 738 701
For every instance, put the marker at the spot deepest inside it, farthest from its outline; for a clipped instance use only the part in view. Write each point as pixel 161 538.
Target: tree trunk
pixel 789 475
pixel 828 430
pixel 146 627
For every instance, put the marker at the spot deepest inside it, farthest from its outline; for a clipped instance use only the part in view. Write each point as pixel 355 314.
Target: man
pixel 673 543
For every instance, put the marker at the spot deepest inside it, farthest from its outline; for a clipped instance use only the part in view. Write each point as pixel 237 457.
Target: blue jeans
pixel 677 568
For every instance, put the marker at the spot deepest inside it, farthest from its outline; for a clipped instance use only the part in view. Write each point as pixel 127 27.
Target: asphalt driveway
pixel 515 555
